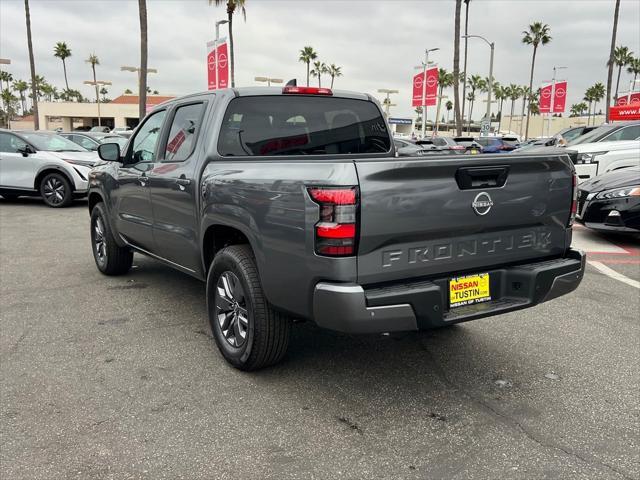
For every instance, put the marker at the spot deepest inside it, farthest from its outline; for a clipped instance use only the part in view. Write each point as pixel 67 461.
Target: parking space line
pixel 615 275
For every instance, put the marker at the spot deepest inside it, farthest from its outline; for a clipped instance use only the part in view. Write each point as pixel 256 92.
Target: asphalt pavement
pixel 118 378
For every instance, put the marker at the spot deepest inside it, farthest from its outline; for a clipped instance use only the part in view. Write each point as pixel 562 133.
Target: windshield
pixel 52 143
pixel 119 140
pixel 593 135
pixel 302 125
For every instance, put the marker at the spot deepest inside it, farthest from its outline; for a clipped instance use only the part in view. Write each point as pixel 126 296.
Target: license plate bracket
pixel 469 290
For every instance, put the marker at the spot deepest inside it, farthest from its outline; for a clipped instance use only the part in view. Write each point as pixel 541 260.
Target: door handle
pixel 143 179
pixel 182 183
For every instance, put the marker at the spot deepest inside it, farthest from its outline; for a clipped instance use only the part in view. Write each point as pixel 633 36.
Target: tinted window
pixel 51 142
pixel 571 134
pixel 10 143
pixel 440 142
pixel 627 133
pixel 594 135
pixel 146 139
pixel 184 132
pixel 84 142
pixel 302 125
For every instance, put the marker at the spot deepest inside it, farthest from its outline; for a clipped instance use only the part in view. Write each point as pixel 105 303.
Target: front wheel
pixel 249 333
pixel 110 258
pixel 56 190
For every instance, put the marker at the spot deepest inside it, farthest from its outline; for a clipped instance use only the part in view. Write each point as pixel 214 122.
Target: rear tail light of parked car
pixel 307 90
pixel 574 200
pixel 336 232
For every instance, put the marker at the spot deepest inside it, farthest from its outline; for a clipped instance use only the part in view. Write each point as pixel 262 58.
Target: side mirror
pixel 26 150
pixel 109 152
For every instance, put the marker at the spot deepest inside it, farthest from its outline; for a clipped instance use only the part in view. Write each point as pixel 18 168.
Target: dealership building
pixel 119 112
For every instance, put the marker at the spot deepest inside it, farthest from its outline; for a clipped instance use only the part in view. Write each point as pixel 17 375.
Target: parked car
pixel 45 164
pixel 613 132
pixel 611 202
pixel 497 144
pixel 91 140
pixel 100 129
pixel 290 203
pixel 571 133
pixel 593 159
pixel 409 148
pixel 448 143
pixel 536 142
pixel 82 128
pixel 469 143
pixel 119 130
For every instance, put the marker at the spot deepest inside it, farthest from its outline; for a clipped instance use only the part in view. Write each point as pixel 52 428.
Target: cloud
pixel 377 43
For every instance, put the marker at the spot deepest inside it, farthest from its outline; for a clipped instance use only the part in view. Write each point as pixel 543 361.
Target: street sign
pixel 485 127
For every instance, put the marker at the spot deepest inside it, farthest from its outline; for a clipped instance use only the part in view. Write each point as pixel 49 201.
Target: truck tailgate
pixel 427 216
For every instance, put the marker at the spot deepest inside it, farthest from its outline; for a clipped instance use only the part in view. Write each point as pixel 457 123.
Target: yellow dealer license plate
pixel 469 290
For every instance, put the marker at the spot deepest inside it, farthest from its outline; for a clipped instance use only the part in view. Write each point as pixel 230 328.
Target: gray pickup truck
pixel 292 204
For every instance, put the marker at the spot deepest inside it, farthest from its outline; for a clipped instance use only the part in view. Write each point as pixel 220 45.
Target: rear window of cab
pixel 302 125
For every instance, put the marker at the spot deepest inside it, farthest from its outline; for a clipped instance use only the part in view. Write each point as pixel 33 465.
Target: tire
pixel 56 190
pixel 266 331
pixel 110 258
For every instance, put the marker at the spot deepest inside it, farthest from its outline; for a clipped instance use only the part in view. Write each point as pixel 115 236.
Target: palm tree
pixel 449 105
pixel 445 80
pixel 456 67
pixel 464 72
pixel 21 87
pixel 525 92
pixel 634 69
pixel 93 61
pixel 598 94
pixel 513 93
pixel 538 34
pixel 62 51
pixel 232 6
pixel 5 77
pixel 622 57
pixel 40 83
pixel 475 83
pixel 104 92
pixel 334 71
pixel 9 100
pixel 614 33
pixel 32 66
pixel 144 51
pixel 307 55
pixel 318 69
pixel 588 97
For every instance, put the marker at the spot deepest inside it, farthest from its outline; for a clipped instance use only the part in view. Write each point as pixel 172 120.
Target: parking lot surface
pixel 118 377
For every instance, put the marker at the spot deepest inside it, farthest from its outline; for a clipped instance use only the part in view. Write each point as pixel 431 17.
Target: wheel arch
pixel 52 169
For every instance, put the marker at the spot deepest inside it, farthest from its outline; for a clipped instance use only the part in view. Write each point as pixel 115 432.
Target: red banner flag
pixel 634 98
pixel 545 99
pixel 560 97
pixel 222 64
pixel 432 86
pixel 626 112
pixel 418 90
pixel 622 100
pixel 212 83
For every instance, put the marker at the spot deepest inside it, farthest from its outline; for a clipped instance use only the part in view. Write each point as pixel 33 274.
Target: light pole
pixel 490 86
pixel 95 84
pixel 387 100
pixel 138 71
pixel 268 80
pixel 424 88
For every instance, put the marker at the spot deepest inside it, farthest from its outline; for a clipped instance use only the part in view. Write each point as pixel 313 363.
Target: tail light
pixel 336 232
pixel 574 200
pixel 307 90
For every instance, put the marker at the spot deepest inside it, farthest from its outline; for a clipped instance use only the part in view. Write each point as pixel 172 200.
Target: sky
pixel 377 43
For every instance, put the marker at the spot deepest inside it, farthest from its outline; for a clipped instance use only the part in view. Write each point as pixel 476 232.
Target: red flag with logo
pixel 211 66
pixel 222 64
pixel 418 90
pixel 622 100
pixel 545 99
pixel 432 86
pixel 560 97
pixel 634 98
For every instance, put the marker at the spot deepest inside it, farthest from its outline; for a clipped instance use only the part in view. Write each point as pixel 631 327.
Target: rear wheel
pixel 56 190
pixel 110 258
pixel 249 333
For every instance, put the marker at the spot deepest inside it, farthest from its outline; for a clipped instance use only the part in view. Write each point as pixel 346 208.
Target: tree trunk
pixel 500 112
pixel 464 78
pixel 64 67
pixel 524 100
pixel 615 97
pixel 142 99
pixel 32 66
pixel 533 66
pixel 308 74
pixel 332 77
pixel 319 81
pixel 232 53
pixel 611 52
pixel 435 131
pixel 511 116
pixel 471 102
pixel 456 68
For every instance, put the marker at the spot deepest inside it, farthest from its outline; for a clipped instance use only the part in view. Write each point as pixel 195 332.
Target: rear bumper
pixel 424 304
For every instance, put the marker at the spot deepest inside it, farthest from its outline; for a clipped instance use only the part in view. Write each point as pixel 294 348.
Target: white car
pixel 45 164
pixel 592 159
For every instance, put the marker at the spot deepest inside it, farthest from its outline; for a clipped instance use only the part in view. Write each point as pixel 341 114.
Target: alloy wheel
pixel 99 241
pixel 231 309
pixel 54 191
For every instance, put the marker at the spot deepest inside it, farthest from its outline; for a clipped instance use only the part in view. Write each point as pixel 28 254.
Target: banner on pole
pixel 418 90
pixel 634 98
pixel 545 99
pixel 212 70
pixel 222 64
pixel 432 86
pixel 622 100
pixel 560 97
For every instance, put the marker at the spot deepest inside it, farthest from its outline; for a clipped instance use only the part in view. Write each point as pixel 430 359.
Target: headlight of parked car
pixel 633 191
pixel 588 157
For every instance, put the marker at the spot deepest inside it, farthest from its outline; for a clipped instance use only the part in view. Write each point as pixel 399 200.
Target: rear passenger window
pixel 184 132
pixel 627 133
